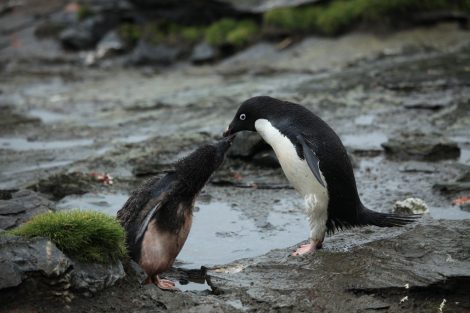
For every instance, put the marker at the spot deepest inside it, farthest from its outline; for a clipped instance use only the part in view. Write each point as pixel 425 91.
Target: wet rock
pixel 186 12
pixel 250 147
pixel 9 118
pixel 22 259
pixel 453 187
pixel 262 6
pixel 21 207
pixel 203 53
pixel 146 53
pixel 430 100
pixel 36 266
pixel 91 278
pixel 367 268
pixel 266 159
pixel 410 206
pixel 417 167
pixel 64 184
pixel 86 34
pixel 416 146
pixel 465 207
pixel 134 270
pixel 247 144
pixel 110 45
pixel 460 184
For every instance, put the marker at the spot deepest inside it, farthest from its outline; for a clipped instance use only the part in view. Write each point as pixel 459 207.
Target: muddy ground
pixel 59 117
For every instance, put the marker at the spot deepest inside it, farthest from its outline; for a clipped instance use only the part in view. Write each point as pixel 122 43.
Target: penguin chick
pixel 315 162
pixel 158 215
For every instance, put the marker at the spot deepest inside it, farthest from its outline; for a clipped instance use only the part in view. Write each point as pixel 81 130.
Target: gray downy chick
pixel 158 215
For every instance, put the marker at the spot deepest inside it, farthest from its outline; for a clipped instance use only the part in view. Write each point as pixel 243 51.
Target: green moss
pixel 130 32
pixel 84 235
pixel 338 15
pixel 192 34
pixel 230 31
pixel 243 34
pixel 292 19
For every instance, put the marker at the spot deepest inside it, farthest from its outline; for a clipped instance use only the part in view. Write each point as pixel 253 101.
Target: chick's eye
pixel 242 116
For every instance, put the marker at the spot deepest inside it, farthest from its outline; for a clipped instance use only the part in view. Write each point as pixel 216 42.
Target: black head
pixel 196 168
pixel 253 109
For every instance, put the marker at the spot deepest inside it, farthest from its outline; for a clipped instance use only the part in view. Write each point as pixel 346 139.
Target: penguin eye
pixel 242 116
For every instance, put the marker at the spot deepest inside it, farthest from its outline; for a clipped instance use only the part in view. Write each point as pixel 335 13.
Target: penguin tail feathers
pixel 369 217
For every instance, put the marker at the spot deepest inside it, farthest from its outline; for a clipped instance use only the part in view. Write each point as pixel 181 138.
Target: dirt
pixel 131 123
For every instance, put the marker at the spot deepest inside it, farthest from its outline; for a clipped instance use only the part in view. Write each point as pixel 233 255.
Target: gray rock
pixel 23 205
pixel 430 100
pixel 64 184
pixel 111 44
pixel 416 146
pixel 390 263
pixel 202 53
pixel 137 272
pixel 21 259
pixel 86 34
pixel 39 262
pixel 91 278
pixel 410 206
pixel 453 187
pixel 261 6
pixel 246 145
pixel 146 53
pixel 465 207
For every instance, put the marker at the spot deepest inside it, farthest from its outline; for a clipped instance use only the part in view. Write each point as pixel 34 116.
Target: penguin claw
pixel 304 249
pixel 165 284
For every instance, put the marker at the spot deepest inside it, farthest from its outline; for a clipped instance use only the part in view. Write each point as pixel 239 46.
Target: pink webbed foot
pixel 307 248
pixel 165 284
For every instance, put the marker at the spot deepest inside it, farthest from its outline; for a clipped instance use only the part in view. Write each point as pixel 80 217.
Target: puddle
pixel 108 203
pixel 190 286
pixel 449 213
pixel 22 144
pixel 42 166
pixel 364 120
pixel 221 234
pixel 464 145
pixel 370 141
pixel 47 116
pixel 464 155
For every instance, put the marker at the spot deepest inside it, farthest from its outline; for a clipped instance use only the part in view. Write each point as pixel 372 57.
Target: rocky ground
pixel 399 101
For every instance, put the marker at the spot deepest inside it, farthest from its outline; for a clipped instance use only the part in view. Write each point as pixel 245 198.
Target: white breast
pixel 296 170
pixel 299 175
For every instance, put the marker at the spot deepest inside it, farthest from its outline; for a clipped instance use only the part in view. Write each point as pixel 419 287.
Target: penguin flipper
pixel 312 160
pixel 145 223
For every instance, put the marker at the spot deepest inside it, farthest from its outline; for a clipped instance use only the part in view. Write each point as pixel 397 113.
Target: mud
pixel 132 123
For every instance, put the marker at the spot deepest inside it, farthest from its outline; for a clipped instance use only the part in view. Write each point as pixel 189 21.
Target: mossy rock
pixel 338 15
pixel 231 32
pixel 87 236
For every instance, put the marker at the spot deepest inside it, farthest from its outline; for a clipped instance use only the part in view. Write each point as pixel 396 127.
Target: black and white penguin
pixel 158 215
pixel 315 162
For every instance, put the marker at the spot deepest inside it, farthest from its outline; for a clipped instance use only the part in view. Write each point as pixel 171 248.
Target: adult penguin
pixel 158 215
pixel 315 162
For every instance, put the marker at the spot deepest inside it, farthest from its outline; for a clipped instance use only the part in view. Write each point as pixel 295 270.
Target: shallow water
pixel 23 144
pixel 220 233
pixel 366 141
pixel 108 203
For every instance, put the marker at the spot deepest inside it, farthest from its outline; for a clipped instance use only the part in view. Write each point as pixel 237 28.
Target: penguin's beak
pixel 227 131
